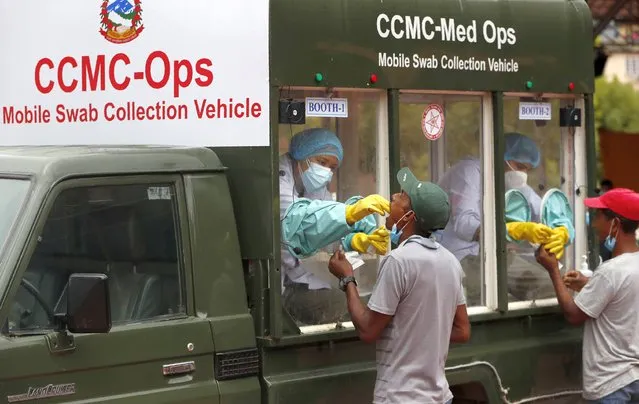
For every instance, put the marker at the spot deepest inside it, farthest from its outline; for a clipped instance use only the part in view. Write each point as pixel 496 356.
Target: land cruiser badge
pixel 38 393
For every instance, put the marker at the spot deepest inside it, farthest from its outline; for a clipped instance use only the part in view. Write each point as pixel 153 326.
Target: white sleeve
pixel 461 296
pixel 465 201
pixel 595 296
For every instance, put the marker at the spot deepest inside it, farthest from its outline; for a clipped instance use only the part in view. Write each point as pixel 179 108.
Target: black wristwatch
pixel 343 282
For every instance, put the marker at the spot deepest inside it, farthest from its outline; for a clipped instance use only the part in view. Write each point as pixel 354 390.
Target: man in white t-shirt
pixel 608 303
pixel 417 306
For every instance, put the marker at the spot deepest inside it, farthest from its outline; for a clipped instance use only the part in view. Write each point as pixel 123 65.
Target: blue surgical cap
pixel 315 142
pixel 522 149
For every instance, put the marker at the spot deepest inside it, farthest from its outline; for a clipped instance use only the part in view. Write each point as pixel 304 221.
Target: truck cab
pixel 158 224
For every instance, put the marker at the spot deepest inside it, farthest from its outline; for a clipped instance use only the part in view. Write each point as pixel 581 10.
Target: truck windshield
pixel 13 193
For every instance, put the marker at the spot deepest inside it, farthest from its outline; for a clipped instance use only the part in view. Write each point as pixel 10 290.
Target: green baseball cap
pixel 429 202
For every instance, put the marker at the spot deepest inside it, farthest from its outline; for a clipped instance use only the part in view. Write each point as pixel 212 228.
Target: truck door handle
pixel 181 368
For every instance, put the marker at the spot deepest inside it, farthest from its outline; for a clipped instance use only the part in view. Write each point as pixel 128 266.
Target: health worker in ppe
pixel 463 184
pixel 526 278
pixel 312 221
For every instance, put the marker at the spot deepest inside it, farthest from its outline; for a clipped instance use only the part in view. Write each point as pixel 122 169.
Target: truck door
pixel 133 230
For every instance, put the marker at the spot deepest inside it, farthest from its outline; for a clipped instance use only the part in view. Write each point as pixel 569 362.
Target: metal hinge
pixel 60 342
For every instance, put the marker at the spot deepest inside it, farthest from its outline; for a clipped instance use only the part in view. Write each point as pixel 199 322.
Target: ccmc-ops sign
pixel 135 72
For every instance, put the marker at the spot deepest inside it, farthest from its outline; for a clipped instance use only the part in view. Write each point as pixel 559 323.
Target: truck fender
pixel 470 378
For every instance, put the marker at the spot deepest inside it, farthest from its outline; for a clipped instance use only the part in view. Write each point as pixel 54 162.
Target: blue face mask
pixel 316 177
pixel 396 234
pixel 610 242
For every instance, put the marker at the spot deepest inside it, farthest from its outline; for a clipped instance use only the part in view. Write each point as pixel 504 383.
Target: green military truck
pixel 140 234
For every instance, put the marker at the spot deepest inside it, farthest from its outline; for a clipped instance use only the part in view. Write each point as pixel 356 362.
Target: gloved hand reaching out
pixel 535 233
pixel 379 240
pixel 366 206
pixel 557 241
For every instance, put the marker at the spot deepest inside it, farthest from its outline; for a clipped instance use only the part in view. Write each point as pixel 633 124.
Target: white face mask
pixel 516 179
pixel 316 177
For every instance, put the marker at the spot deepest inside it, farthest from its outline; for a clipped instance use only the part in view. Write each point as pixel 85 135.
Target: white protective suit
pixel 463 184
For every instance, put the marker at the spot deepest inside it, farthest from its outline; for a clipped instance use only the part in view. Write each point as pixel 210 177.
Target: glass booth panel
pixel 534 164
pixel 310 293
pixel 440 141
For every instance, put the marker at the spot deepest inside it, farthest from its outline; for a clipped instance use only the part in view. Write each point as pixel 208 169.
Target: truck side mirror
pixel 88 305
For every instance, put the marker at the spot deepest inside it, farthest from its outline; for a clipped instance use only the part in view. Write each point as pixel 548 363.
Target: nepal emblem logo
pixel 121 20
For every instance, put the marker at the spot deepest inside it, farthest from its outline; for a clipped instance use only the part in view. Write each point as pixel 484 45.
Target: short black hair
pixel 606 183
pixel 418 230
pixel 627 226
pixel 421 232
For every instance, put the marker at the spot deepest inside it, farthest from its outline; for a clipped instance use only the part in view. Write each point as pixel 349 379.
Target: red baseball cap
pixel 622 201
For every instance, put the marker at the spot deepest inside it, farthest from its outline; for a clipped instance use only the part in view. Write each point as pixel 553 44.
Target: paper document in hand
pixel 354 259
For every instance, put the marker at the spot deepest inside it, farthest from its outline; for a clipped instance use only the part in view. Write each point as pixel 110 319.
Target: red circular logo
pixel 433 122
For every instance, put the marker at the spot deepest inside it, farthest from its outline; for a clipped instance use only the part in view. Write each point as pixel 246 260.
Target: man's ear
pixel 410 216
pixel 616 227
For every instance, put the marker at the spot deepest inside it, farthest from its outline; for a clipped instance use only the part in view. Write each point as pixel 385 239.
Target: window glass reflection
pixel 310 293
pixel 533 165
pixel 454 162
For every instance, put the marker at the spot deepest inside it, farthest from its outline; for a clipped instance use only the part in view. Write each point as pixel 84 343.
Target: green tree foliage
pixel 616 106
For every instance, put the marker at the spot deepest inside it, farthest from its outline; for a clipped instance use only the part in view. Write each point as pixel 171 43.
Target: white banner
pixel 189 73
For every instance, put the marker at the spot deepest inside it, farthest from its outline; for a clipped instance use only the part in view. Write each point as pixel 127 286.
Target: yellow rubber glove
pixel 557 241
pixel 379 240
pixel 535 233
pixel 364 207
